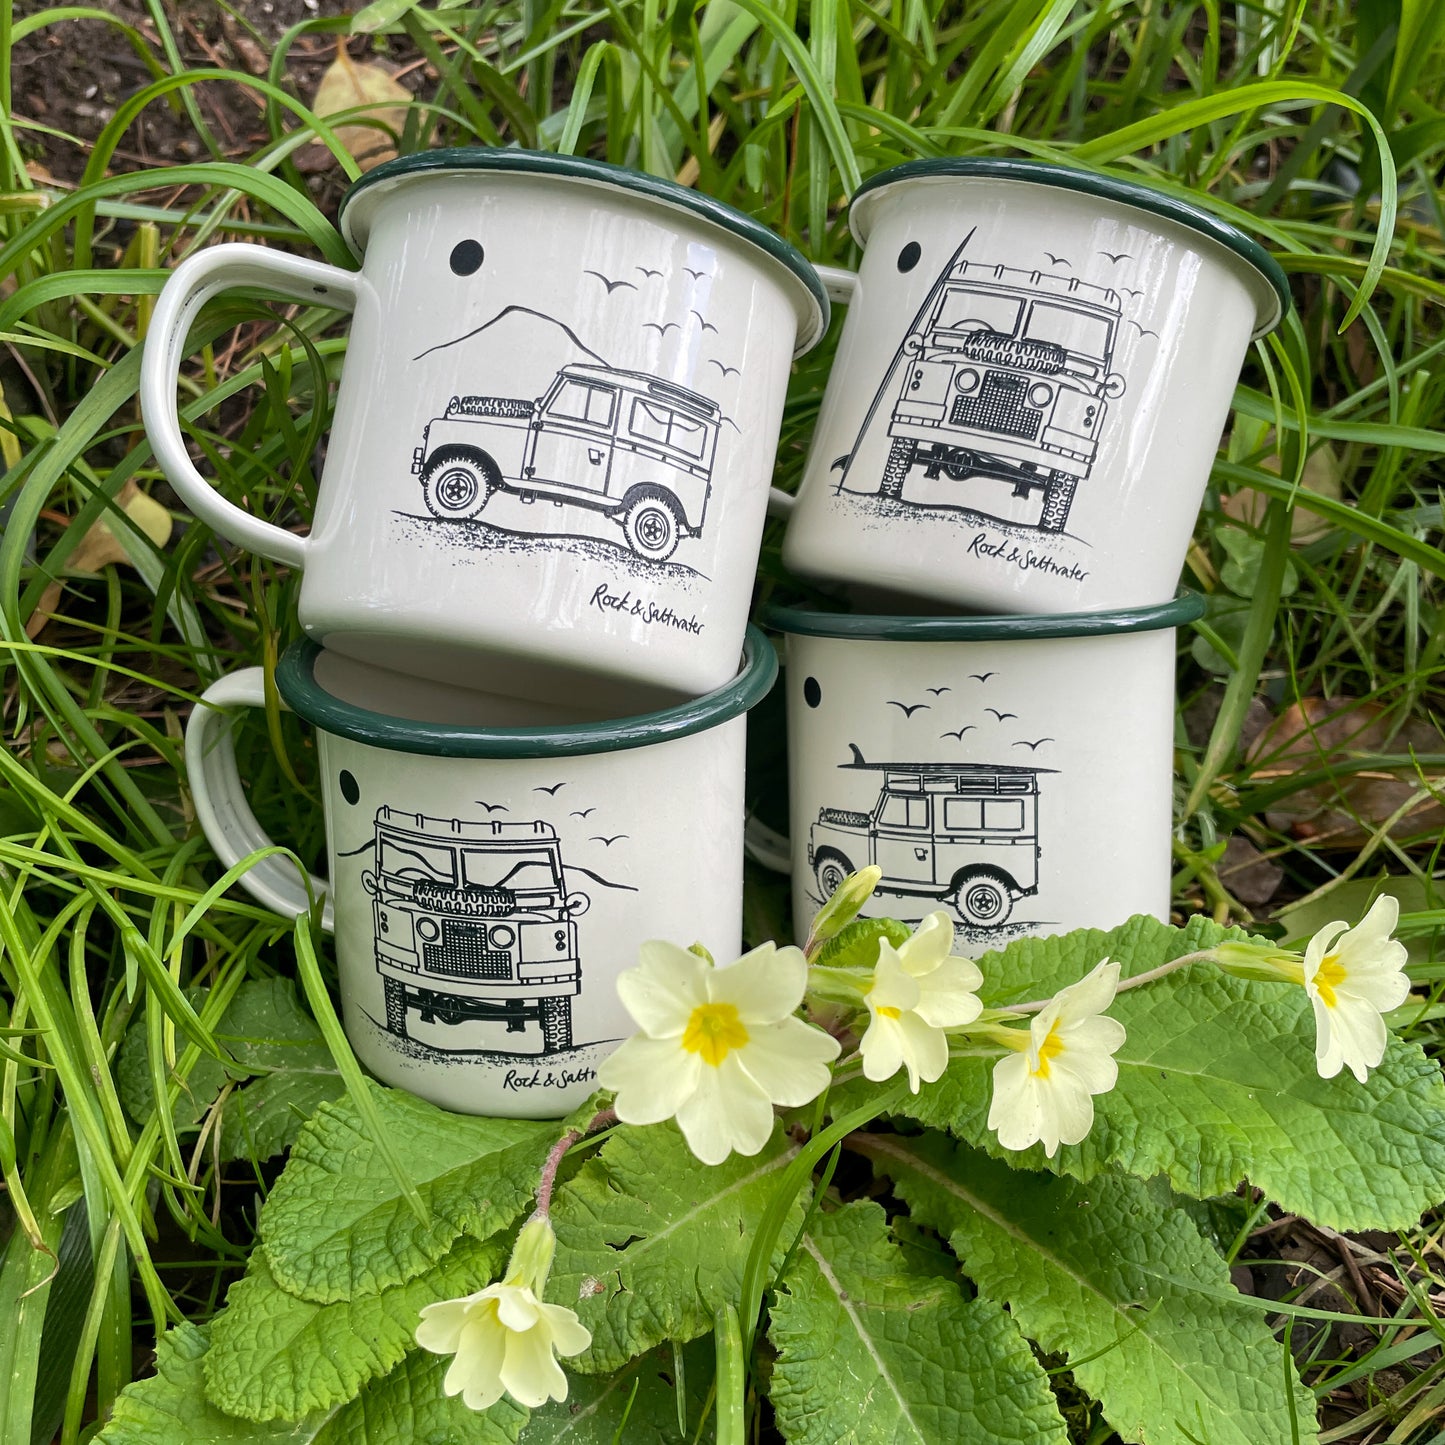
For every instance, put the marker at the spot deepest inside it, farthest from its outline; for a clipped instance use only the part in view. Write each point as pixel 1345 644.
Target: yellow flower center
pixel 887 1012
pixel 1051 1048
pixel 1329 977
pixel 714 1030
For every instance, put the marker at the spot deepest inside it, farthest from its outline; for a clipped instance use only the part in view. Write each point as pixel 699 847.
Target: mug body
pixel 555 426
pixel 488 884
pixel 1029 389
pixel 1015 776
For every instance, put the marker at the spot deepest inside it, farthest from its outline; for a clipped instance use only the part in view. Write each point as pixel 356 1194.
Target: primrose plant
pixel 1070 1137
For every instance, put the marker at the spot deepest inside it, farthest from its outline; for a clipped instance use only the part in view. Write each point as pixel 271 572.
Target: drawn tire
pixel 830 870
pixel 983 900
pixel 651 527
pixel 555 1016
pixel 1058 499
pixel 895 470
pixel 395 1006
pixel 457 485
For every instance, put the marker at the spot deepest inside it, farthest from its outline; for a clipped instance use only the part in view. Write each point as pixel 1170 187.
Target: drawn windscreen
pixel 965 310
pixel 521 872
pixel 417 861
pixel 1083 332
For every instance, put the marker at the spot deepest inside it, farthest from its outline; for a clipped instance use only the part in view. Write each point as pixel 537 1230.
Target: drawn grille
pixel 999 406
pixel 844 817
pixel 463 952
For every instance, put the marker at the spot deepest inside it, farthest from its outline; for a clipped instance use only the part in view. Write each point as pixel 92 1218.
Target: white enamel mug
pixel 1030 387
pixel 555 427
pixel 493 865
pixel 1016 772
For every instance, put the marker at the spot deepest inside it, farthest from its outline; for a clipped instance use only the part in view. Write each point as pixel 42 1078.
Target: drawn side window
pixel 687 435
pixel 578 401
pixel 650 421
pixel 962 815
pixel 1005 815
pixel 901 812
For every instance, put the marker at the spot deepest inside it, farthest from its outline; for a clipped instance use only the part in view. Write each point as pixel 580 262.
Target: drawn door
pixel 574 440
pixel 905 844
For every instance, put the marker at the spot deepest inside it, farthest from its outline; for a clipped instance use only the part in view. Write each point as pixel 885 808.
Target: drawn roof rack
pixel 444 830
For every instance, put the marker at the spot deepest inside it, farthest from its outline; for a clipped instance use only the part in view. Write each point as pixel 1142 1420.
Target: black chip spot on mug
pixel 812 693
pixel 909 255
pixel 467 257
pixel 350 790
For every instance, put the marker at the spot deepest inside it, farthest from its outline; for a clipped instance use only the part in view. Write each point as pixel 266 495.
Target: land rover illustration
pixel 630 445
pixel 474 921
pixel 963 832
pixel 1005 373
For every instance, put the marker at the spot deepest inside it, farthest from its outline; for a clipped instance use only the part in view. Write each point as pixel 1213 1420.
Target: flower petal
pixel 1015 1113
pixel 529 1373
pixel 1319 946
pixel 1357 1038
pixel 651 1078
pixel 881 1048
pixel 925 1049
pixel 516 1306
pixel 1068 1111
pixel 928 945
pixel 569 1335
pixel 764 985
pixel 727 1112
pixel 665 987
pixel 947 997
pixel 1091 995
pixel 1329 1057
pixel 893 986
pixel 789 1060
pixel 440 1330
pixel 476 1372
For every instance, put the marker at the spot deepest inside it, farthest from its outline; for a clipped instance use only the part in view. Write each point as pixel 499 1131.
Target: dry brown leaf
pixel 347 84
pixel 100 546
pixel 1321 476
pixel 1316 732
pixel 1247 873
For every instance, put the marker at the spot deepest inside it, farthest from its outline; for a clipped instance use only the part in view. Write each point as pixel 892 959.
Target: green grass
pixel 1273 114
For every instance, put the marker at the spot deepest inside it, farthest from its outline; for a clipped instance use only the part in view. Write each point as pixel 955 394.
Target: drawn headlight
pixel 502 935
pixel 428 929
pixel 1040 395
pixel 967 379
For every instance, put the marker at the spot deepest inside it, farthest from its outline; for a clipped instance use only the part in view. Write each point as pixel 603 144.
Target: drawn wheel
pixel 830 873
pixel 651 528
pixel 456 486
pixel 395 1006
pixel 900 459
pixel 983 900
pixel 555 1015
pixel 1058 498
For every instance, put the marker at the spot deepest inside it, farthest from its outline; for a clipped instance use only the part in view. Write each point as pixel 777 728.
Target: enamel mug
pixel 555 425
pixel 493 865
pixel 1016 772
pixel 1030 387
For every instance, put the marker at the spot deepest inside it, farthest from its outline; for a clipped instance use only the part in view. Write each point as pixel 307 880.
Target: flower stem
pixel 1139 979
pixel 550 1165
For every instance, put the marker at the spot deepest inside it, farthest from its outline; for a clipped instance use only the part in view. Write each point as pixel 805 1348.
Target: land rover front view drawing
pixel 473 921
pixel 1005 373
pixel 633 446
pixel 963 832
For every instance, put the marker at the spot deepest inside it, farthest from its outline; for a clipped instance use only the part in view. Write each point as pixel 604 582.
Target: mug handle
pixel 221 807
pixel 194 282
pixel 841 287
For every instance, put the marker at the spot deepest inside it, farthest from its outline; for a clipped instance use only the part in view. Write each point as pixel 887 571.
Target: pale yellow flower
pixel 716 1047
pixel 1045 1090
pixel 1352 977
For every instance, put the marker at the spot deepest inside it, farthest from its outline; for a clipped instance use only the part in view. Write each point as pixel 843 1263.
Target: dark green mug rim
pixel 305 696
pixel 516 161
pixel 1186 606
pixel 1111 188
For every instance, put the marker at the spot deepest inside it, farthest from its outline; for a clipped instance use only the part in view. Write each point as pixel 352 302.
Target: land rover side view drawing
pixel 474 921
pixel 1005 373
pixel 963 832
pixel 630 445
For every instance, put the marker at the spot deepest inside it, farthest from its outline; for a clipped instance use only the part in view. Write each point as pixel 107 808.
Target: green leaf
pixel 649 1241
pixel 1078 1267
pixel 901 1356
pixel 271 1035
pixel 276 1356
pixel 406 1408
pixel 1217 1084
pixel 337 1225
pixel 856 944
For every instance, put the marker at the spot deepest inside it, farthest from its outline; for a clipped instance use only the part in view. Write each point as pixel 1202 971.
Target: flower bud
pixel 843 907
pixel 1262 962
pixel 531 1260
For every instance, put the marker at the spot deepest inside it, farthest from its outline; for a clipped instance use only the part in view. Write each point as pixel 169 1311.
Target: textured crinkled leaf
pixel 336 1226
pixel 649 1241
pixel 407 1407
pixel 856 944
pixel 597 1407
pixel 276 1356
pixel 1217 1084
pixel 1101 1273
pixel 902 1357
pixel 267 1032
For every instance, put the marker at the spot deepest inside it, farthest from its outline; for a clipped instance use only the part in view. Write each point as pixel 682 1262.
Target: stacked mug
pixel 526 589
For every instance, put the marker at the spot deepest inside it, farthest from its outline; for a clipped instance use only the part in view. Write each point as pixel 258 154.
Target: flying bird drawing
pixel 907 709
pixel 706 325
pixel 938 691
pixel 1142 330
pixel 492 807
pixel 982 676
pixel 662 328
pixel 610 285
pixel 696 275
pixel 647 270
pixel 1116 256
pixel 1000 715
pixel 726 370
pixel 1129 291
pixel 966 728
pixel 1059 260
pixel 1032 747
pixel 581 813
pixel 551 791
pixel 606 842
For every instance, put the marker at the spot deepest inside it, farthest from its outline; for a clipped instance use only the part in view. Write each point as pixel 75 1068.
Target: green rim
pixel 1109 188
pixel 354 224
pixel 296 680
pixel 1186 607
